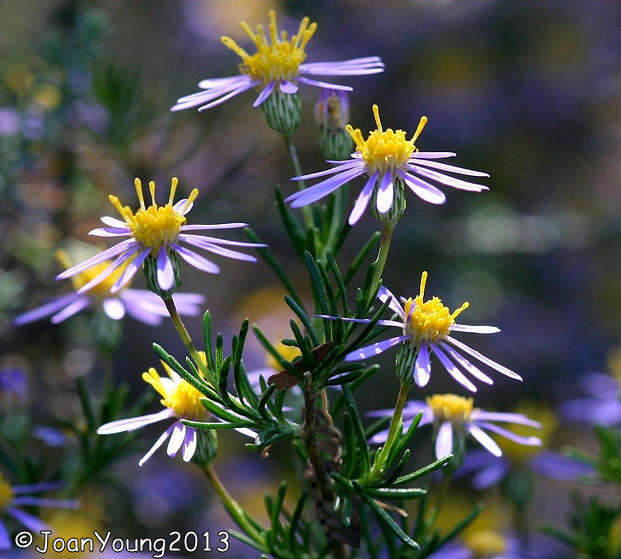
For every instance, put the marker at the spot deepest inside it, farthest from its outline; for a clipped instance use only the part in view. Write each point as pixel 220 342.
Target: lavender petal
pixel 385 193
pixel 265 93
pixel 497 366
pixel 160 441
pixel 189 444
pixel 450 168
pixel 176 439
pixel 165 270
pixel 363 200
pixel 484 439
pixel 423 190
pixel 324 85
pixel 444 440
pixel 70 310
pixel 113 308
pixel 288 87
pixel 384 294
pixel 127 425
pixel 374 349
pixel 46 310
pixel 196 260
pixel 127 244
pixel 422 367
pixel 452 369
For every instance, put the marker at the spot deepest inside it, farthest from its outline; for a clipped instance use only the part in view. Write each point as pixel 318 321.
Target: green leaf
pixel 319 292
pixel 306 321
pixel 387 493
pixel 424 471
pixel 273 263
pixel 196 382
pixel 210 426
pixel 207 340
pixel 361 256
pixel 295 520
pixel 291 223
pixel 386 519
pixel 274 353
pixel 358 429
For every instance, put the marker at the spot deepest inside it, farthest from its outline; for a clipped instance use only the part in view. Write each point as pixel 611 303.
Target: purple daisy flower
pixel 390 161
pixel 454 415
pixel 602 406
pixel 12 498
pixel 156 232
pixel 140 304
pixel 181 401
pixel 277 65
pixel 426 327
pixel 487 471
pixel 13 386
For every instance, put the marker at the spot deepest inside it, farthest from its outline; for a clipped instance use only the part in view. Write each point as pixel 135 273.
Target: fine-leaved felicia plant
pixel 370 484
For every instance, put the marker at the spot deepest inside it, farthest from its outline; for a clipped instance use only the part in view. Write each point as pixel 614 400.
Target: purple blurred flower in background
pixel 156 232
pixel 490 544
pixel 602 406
pixel 140 304
pixel 13 386
pixel 454 415
pixel 487 470
pixel 389 161
pixel 426 325
pixel 13 497
pixel 278 63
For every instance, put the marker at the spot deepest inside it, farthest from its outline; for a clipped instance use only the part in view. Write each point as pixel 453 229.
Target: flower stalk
pixel 297 169
pixel 382 255
pixel 393 432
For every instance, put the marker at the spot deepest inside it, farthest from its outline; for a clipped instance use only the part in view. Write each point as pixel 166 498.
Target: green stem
pixel 232 506
pixel 382 255
pixel 442 493
pixel 186 339
pixel 297 169
pixel 393 432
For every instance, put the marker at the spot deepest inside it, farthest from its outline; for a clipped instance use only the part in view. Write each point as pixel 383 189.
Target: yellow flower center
pixel 286 352
pixel 486 543
pixel 277 56
pixel 182 398
pixel 538 412
pixel 428 320
pixel 385 150
pixel 450 407
pixel 6 493
pixel 154 226
pixel 72 526
pixel 102 289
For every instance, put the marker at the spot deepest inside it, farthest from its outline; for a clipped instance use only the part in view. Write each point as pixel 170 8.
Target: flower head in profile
pixel 181 401
pixel 455 415
pixel 427 327
pixel 141 304
pixel 389 161
pixel 601 404
pixel 277 64
pixel 487 470
pixel 156 234
pixel 12 498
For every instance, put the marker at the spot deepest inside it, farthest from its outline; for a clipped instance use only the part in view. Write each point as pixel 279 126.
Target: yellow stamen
pixel 384 150
pixel 154 226
pixel 486 543
pixel 421 125
pixel 277 56
pixel 450 407
pixel 173 189
pixel 428 320
pixel 6 493
pixel 179 396
pixel 138 186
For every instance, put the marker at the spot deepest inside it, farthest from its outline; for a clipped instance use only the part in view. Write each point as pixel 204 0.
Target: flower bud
pixel 331 116
pixel 399 202
pixel 404 363
pixel 283 112
pixel 150 271
pixel 206 446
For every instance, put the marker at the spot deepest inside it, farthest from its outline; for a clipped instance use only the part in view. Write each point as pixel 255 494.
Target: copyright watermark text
pixel 187 542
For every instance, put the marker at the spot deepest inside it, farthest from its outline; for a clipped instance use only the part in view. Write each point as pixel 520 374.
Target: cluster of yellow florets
pixel 450 407
pixel 384 150
pixel 177 394
pixel 430 320
pixel 154 226
pixel 486 543
pixel 277 56
pixel 285 351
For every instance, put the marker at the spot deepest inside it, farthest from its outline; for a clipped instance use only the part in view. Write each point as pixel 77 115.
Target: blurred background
pixel 526 91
